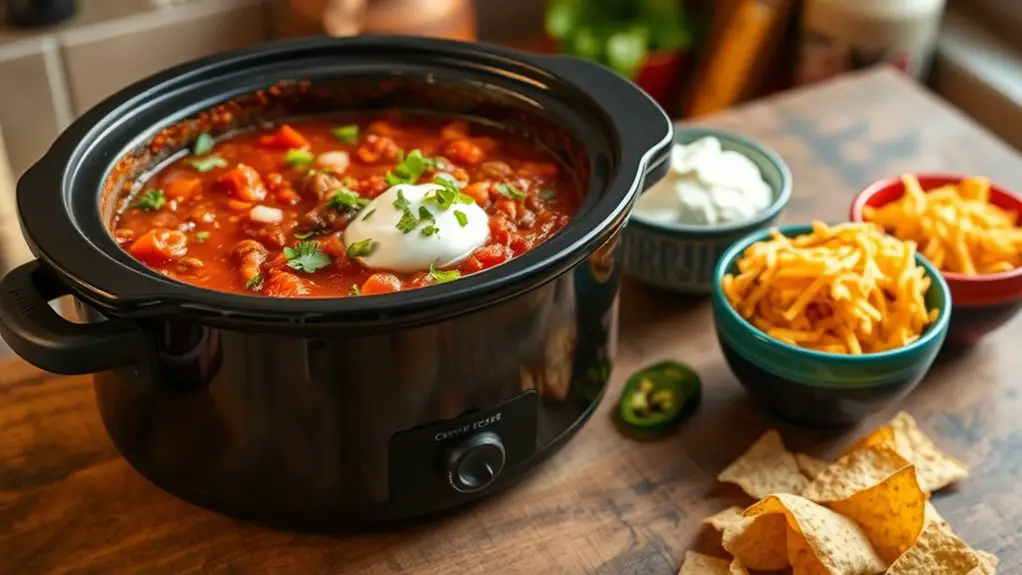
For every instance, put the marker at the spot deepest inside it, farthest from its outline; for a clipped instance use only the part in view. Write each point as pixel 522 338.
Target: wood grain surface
pixel 604 504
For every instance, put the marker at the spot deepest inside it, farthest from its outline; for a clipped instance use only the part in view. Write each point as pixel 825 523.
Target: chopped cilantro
pixel 206 164
pixel 462 218
pixel 408 221
pixel 345 198
pixel 361 248
pixel 299 157
pixel 547 193
pixel 368 214
pixel 510 191
pixel 203 145
pixel 306 257
pixel 152 200
pixel 401 202
pixel 201 236
pixel 347 134
pixel 445 179
pixel 254 283
pixel 426 215
pixel 409 169
pixel 447 195
pixel 429 230
pixel 304 235
pixel 443 276
pixel 353 290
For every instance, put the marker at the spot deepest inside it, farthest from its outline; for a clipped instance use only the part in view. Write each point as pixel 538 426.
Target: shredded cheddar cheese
pixel 955 226
pixel 847 289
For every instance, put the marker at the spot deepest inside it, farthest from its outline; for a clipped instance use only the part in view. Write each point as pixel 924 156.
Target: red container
pixel 659 75
pixel 981 303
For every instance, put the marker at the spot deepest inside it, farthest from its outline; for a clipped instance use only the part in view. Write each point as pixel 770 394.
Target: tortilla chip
pixel 758 542
pixel 722 519
pixel 832 543
pixel 699 564
pixel 737 568
pixel 854 472
pixel 934 468
pixel 988 562
pixel 809 465
pixel 883 435
pixel 937 550
pixel 766 468
pixel 891 513
pixel 801 556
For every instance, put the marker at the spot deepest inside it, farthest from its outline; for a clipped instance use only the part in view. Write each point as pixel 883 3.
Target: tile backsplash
pixel 50 76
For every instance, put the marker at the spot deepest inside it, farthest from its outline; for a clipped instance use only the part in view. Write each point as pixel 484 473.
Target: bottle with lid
pixel 842 35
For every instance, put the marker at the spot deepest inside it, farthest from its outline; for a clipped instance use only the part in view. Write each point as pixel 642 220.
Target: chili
pixel 265 211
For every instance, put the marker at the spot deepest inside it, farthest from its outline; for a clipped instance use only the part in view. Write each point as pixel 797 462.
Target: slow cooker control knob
pixel 476 462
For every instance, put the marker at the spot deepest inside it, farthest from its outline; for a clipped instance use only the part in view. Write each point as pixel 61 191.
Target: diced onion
pixel 337 161
pixel 266 215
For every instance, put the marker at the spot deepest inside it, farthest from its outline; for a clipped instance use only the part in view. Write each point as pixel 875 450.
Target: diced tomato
pixel 372 186
pixel 471 265
pixel 480 192
pixel 381 128
pixel 281 189
pixel 464 151
pixel 239 206
pixel 538 169
pixel 420 280
pixel 285 137
pixel 287 196
pixel 377 148
pixel 244 183
pixel 454 130
pixel 493 254
pixel 509 207
pixel 502 230
pixel 486 144
pixel 159 246
pixel 380 284
pixel 522 243
pixel 284 284
pixel 333 246
pixel 181 189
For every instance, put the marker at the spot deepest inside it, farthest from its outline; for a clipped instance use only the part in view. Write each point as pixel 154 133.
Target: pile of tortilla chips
pixel 866 513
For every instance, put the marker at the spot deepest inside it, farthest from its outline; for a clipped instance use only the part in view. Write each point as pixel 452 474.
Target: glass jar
pixel 842 35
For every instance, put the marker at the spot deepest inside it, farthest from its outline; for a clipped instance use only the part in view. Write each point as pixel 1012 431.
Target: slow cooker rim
pixel 124 290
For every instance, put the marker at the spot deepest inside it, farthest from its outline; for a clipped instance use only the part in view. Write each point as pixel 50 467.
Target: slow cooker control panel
pixel 475 463
pixel 467 454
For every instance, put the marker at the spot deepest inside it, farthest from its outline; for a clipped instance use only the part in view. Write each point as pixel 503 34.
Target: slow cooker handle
pixel 645 128
pixel 45 339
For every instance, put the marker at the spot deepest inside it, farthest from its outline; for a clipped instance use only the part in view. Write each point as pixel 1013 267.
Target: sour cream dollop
pixel 706 185
pixel 442 241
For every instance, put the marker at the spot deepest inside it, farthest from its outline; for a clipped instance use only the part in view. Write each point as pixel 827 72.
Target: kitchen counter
pixel 604 503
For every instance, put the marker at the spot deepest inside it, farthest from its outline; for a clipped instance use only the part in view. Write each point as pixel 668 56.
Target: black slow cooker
pixel 320 413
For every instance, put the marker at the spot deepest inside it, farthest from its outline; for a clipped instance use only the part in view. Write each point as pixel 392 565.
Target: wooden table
pixel 604 504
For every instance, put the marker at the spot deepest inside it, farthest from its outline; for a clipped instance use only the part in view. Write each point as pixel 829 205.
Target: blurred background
pixel 60 57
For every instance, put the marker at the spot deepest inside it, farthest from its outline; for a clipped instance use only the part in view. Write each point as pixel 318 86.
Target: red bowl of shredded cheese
pixel 968 227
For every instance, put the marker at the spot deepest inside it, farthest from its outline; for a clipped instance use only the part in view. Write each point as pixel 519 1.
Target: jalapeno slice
pixel 656 398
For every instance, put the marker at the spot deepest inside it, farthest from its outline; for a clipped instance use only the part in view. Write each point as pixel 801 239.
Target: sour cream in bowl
pixel 719 187
pixel 707 185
